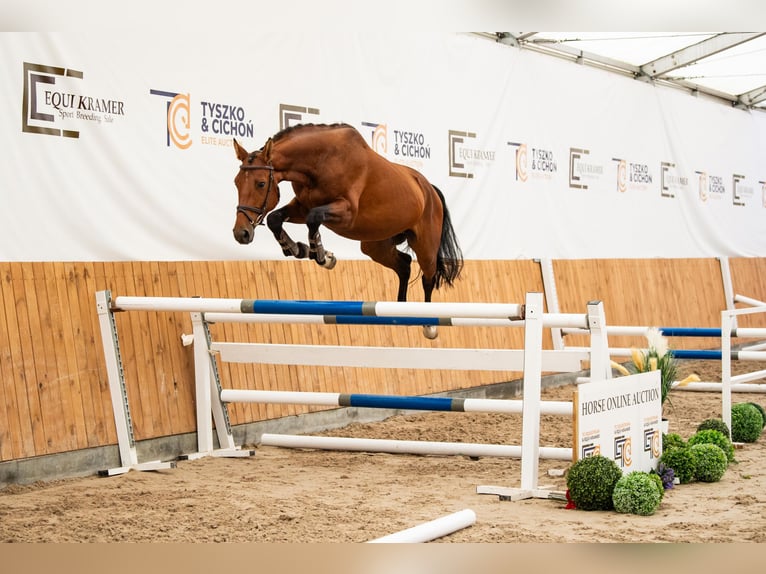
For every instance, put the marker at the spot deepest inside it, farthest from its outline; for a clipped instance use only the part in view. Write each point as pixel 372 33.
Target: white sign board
pixel 620 419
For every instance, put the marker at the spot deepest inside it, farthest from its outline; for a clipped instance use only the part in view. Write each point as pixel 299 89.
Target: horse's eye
pixel 261 184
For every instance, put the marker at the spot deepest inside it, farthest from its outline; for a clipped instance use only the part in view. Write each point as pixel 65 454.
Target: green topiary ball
pixel 637 493
pixel 709 462
pixel 591 482
pixel 712 436
pixel 715 424
pixel 658 480
pixel 746 423
pixel 761 410
pixel 672 440
pixel 680 460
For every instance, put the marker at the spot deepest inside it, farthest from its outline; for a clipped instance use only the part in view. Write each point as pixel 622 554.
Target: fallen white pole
pixel 408 446
pixel 431 530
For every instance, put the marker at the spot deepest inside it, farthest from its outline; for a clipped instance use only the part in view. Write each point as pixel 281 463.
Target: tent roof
pixel 729 66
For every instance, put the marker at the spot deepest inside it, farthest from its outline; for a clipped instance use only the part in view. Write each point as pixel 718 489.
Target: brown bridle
pixel 260 212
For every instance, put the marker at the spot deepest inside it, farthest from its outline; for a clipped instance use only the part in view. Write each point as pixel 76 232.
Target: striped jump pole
pixel 617 330
pixel 362 400
pixel 342 308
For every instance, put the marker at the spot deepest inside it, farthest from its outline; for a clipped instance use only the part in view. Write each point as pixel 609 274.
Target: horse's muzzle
pixel 244 234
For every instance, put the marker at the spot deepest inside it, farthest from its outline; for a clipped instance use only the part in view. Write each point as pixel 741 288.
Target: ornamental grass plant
pixel 657 356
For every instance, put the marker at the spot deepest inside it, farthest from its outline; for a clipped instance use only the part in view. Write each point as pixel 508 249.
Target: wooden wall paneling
pixel 10 421
pixel 16 433
pixel 135 355
pixel 357 286
pixel 27 367
pixel 645 292
pixel 748 277
pixel 63 316
pixel 167 346
pixel 96 279
pixel 46 369
pixel 257 286
pixel 150 361
pixel 303 378
pixel 80 308
pixel 287 375
pixel 235 274
pixel 183 360
pixel 272 376
pixel 184 378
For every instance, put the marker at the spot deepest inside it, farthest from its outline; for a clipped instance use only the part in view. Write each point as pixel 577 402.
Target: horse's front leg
pixel 317 251
pixel 336 213
pixel 289 247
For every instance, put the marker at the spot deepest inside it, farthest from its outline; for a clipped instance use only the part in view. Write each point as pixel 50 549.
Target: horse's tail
pixel 449 259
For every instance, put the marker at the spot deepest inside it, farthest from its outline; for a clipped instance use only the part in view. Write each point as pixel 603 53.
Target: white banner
pixel 118 147
pixel 620 419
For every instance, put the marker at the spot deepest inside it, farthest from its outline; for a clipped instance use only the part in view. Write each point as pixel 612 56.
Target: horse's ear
pixel 266 151
pixel 241 152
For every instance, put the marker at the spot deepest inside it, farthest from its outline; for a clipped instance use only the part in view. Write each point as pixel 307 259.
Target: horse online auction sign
pixel 620 419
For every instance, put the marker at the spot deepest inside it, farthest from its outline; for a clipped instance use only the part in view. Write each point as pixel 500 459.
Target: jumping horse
pixel 340 182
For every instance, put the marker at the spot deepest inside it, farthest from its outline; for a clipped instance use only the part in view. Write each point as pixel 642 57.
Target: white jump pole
pixel 409 446
pixel 431 530
pixel 749 301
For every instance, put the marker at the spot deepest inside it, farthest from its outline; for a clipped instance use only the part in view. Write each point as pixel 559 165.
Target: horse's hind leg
pixel 386 253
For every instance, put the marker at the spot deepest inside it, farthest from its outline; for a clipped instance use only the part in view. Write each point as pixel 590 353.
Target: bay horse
pixel 340 182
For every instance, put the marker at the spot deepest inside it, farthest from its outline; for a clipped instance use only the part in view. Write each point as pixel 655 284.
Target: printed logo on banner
pixel 590 445
pixel 581 170
pixel 218 123
pixel 670 180
pixel 652 439
pixel 539 163
pixel 623 450
pixel 56 103
pixel 409 147
pixel 290 115
pixel 709 186
pixel 632 176
pixel 463 156
pixel 739 191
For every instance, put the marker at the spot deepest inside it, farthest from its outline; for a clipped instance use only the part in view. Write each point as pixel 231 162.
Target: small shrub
pixel 672 440
pixel 709 462
pixel 746 423
pixel 760 410
pixel 712 436
pixel 680 460
pixel 591 482
pixel 637 493
pixel 714 424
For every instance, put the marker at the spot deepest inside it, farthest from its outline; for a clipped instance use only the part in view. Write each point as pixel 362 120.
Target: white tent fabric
pixel 537 157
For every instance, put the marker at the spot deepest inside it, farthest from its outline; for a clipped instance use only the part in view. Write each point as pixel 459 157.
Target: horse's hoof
pixel 430 332
pixel 329 260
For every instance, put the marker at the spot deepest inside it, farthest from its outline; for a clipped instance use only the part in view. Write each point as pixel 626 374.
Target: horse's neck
pixel 296 160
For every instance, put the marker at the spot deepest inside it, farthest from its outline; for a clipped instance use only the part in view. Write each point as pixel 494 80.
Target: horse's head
pixel 257 189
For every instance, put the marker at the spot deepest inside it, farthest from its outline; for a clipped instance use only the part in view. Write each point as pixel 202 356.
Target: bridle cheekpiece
pixel 260 212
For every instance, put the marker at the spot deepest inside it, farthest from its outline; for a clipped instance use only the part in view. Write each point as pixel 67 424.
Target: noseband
pixel 260 212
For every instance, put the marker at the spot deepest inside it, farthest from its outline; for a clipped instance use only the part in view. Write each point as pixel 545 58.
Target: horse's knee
pixel 274 221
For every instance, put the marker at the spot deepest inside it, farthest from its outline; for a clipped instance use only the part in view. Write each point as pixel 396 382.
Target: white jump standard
pixel 532 360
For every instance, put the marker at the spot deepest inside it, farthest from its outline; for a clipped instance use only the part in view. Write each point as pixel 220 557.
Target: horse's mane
pixel 299 127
